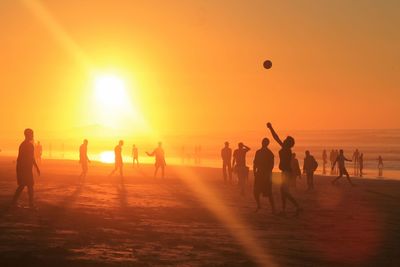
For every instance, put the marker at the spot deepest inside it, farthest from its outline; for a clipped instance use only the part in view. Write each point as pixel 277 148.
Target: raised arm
pixel 246 148
pixel 151 154
pixel 274 134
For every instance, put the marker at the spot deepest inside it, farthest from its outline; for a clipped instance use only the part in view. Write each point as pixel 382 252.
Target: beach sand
pixel 191 218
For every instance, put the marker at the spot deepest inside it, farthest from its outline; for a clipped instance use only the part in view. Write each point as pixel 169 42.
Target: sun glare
pixel 110 91
pixel 107 157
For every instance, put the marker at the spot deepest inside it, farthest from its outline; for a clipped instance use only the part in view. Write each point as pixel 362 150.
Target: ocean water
pixel 179 149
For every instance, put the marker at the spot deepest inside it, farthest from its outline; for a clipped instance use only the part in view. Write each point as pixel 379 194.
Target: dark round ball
pixel 267 64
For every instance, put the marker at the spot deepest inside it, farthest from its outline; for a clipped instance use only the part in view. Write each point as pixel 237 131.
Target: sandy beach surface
pixel 191 218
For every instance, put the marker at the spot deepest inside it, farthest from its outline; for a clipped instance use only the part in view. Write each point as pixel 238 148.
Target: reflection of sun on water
pixel 107 157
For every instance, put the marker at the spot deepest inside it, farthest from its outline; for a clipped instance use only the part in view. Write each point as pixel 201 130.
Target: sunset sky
pixel 196 66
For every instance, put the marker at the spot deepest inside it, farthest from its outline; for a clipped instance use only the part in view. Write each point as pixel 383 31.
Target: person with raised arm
pixel 340 160
pixel 239 165
pixel 159 155
pixel 285 156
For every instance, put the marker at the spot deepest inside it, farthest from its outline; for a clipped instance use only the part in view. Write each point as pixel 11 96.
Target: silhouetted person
pixel 226 155
pixel 332 158
pixel 361 164
pixel 25 162
pixel 38 152
pixel 296 172
pixel 158 153
pixel 309 167
pixel 324 161
pixel 380 166
pixel 239 165
pixel 83 159
pixel 285 156
pixel 118 159
pixel 135 155
pixel 262 167
pixel 340 160
pixel 336 168
pixel 356 156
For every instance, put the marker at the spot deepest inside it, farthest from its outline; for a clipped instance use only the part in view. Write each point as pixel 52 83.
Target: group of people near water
pixel 232 162
pixel 158 153
pixel 27 159
pixel 263 164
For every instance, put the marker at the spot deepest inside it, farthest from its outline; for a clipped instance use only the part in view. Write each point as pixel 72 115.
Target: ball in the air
pixel 267 64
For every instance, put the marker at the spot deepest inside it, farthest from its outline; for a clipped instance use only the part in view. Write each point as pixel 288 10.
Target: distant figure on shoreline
pixel 296 172
pixel 158 153
pixel 226 155
pixel 361 164
pixel 324 161
pixel 356 156
pixel 239 165
pixel 38 152
pixel 118 159
pixel 83 159
pixel 285 155
pixel 25 162
pixel 336 167
pixel 309 167
pixel 340 160
pixel 262 167
pixel 332 158
pixel 135 156
pixel 380 166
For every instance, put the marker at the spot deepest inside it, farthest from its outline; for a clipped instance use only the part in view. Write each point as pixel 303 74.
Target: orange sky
pixel 194 66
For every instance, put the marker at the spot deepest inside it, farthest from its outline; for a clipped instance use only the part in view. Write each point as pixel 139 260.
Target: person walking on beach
pixel 361 164
pixel 336 169
pixel 159 155
pixel 25 162
pixel 262 167
pixel 340 160
pixel 356 156
pixel 83 159
pixel 309 167
pixel 324 161
pixel 380 166
pixel 226 155
pixel 296 172
pixel 135 156
pixel 239 165
pixel 118 159
pixel 285 155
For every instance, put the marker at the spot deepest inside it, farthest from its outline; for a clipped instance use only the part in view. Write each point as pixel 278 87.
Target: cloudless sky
pixel 194 66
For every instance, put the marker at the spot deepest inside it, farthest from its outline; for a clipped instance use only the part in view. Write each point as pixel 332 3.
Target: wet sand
pixel 143 221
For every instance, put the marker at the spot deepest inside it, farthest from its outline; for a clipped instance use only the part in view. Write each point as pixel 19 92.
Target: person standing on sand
pixel 239 165
pixel 324 161
pixel 361 164
pixel 158 153
pixel 25 162
pixel 285 155
pixel 356 156
pixel 309 167
pixel 262 167
pixel 380 166
pixel 118 159
pixel 295 171
pixel 340 160
pixel 336 169
pixel 135 156
pixel 226 155
pixel 83 159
